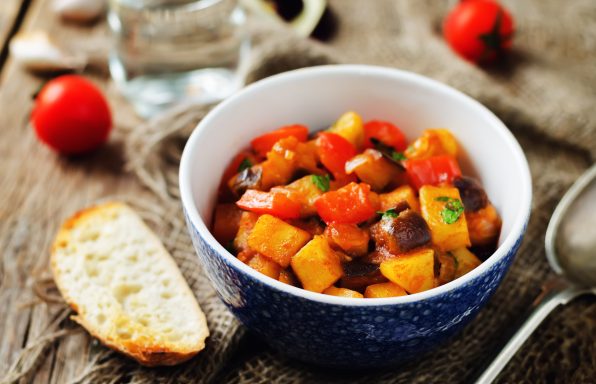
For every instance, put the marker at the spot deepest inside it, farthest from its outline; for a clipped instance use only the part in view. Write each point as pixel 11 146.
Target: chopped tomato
pixel 264 143
pixel 386 133
pixel 274 203
pixel 432 171
pixel 350 204
pixel 334 151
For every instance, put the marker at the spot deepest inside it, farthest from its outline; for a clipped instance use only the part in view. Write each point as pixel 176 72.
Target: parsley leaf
pixel 245 164
pixel 390 213
pixel 322 182
pixel 388 151
pixel 453 209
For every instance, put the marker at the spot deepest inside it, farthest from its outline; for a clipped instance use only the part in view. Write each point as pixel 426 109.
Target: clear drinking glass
pixel 172 51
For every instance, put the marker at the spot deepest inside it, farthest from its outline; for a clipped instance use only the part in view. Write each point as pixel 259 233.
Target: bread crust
pixel 144 350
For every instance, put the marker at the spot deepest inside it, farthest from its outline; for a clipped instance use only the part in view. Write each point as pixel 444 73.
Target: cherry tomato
pixel 385 132
pixel 349 205
pixel 264 143
pixel 273 203
pixel 434 170
pixel 71 115
pixel 334 151
pixel 479 30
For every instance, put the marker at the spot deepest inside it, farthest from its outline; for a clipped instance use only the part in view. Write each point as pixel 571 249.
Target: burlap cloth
pixel 545 93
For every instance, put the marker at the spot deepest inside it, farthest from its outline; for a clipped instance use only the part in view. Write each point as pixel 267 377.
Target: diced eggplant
pixel 472 194
pixel 250 178
pixel 359 275
pixel 396 235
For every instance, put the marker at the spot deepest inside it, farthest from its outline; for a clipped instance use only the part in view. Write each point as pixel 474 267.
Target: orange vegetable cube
pixel 398 195
pixel 305 192
pixel 465 261
pixel 348 237
pixel 414 271
pixel 433 142
pixel 350 127
pixel 226 222
pixel 372 168
pixel 264 265
pixel 343 292
pixel 443 211
pixel 316 265
pixel 245 226
pixel 484 225
pixel 276 239
pixel 388 289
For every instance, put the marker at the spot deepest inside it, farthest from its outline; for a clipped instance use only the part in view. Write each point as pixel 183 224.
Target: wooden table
pixel 39 189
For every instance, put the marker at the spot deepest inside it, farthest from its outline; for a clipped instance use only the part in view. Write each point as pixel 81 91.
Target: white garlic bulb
pixel 36 52
pixel 82 11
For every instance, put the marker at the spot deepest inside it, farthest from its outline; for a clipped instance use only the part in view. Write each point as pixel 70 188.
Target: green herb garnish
pixel 388 151
pixel 453 209
pixel 390 213
pixel 245 164
pixel 322 182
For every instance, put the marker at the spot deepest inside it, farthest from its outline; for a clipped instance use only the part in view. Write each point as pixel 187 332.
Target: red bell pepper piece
pixel 273 203
pixel 432 171
pixel 385 132
pixel 350 205
pixel 264 143
pixel 334 151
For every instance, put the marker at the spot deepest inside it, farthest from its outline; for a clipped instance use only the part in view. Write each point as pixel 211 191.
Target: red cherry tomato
pixel 479 30
pixel 432 171
pixel 334 151
pixel 71 115
pixel 264 143
pixel 349 205
pixel 385 132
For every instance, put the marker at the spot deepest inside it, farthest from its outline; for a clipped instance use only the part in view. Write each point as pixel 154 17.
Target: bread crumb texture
pixel 125 287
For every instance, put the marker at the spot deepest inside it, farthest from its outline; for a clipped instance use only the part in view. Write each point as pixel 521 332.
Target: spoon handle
pixel 542 307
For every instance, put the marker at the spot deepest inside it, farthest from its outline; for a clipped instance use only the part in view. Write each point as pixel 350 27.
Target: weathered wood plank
pixel 9 11
pixel 40 189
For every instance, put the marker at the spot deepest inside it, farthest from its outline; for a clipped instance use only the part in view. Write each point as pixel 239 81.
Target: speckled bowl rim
pixel 513 147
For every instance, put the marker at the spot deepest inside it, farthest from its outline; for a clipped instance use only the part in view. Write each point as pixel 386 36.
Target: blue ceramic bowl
pixel 344 332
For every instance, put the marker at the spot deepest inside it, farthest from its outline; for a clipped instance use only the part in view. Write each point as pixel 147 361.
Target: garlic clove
pixel 37 53
pixel 81 11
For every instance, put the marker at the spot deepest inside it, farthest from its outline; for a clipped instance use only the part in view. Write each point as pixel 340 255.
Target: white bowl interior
pixel 316 97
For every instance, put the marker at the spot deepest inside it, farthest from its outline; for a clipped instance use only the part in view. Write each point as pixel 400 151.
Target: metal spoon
pixel 571 252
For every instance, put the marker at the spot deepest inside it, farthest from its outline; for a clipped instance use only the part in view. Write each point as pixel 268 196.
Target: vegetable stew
pixel 354 211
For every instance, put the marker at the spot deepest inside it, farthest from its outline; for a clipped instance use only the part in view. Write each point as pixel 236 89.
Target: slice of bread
pixel 125 287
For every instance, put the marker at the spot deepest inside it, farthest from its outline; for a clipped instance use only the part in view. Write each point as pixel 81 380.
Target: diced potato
pixel 444 236
pixel 447 269
pixel 304 191
pixel 415 271
pixel 342 292
pixel 372 168
pixel 484 225
pixel 316 265
pixel 350 127
pixel 245 226
pixel 465 260
pixel 398 195
pixel 349 238
pixel 277 239
pixel 264 265
pixel 287 276
pixel 226 222
pixel 388 289
pixel 433 142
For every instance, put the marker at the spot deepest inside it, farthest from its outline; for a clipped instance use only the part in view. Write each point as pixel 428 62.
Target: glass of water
pixel 172 51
